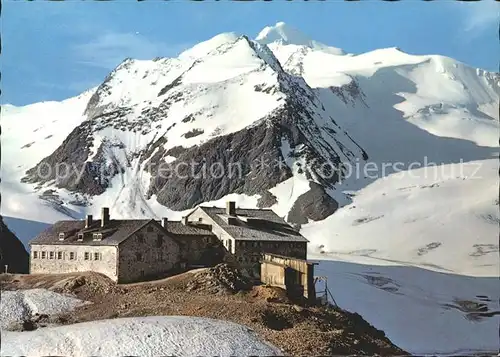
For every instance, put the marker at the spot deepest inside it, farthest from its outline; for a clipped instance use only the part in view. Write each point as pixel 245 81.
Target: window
pixel 240 259
pixel 150 229
pixel 71 255
pixel 35 255
pixel 61 236
pixel 200 219
pixel 59 255
pixel 44 254
pixel 159 240
pixel 140 237
pixel 97 236
pixel 97 256
pixel 51 255
pixel 80 236
pixel 160 256
pixel 138 257
pixel 86 256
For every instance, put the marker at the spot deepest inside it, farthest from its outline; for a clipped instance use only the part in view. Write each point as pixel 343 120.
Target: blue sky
pixel 55 50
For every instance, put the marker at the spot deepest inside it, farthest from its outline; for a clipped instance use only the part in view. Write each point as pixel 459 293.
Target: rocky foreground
pixel 220 293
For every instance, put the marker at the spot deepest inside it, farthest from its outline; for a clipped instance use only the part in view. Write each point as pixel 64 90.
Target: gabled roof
pixel 115 232
pixel 176 228
pixel 254 224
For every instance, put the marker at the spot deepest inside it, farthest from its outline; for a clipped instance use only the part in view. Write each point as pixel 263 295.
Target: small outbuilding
pixel 294 275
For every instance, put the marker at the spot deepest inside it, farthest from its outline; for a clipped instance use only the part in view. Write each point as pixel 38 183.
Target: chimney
pixel 105 216
pixel 231 208
pixel 88 221
pixel 164 222
pixel 185 220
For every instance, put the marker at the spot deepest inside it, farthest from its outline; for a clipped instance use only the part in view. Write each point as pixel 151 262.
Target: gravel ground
pixel 294 327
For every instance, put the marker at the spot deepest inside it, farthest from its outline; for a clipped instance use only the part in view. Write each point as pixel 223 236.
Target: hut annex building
pixel 132 250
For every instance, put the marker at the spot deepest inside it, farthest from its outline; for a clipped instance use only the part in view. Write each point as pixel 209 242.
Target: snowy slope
pixel 375 96
pixel 28 134
pixel 35 130
pixel 444 218
pixel 422 311
pixel 146 336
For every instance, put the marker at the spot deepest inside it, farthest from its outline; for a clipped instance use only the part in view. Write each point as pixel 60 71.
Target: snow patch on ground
pixel 17 306
pixel 145 336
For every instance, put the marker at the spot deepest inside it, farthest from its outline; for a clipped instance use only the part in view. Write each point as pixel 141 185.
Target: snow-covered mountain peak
pixel 284 34
pixel 139 85
pixel 203 48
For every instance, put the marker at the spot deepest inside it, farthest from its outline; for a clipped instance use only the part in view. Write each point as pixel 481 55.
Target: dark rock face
pixel 12 251
pixel 246 162
pixel 267 199
pixel 243 162
pixel 315 204
pixel 350 93
pixel 68 168
pixel 193 133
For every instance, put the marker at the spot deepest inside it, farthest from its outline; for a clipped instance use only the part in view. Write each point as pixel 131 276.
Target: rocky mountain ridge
pixel 105 144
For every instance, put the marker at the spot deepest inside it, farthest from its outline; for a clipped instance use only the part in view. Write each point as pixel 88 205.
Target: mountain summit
pixel 284 34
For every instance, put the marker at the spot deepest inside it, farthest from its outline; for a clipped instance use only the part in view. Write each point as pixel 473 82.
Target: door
pixel 293 282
